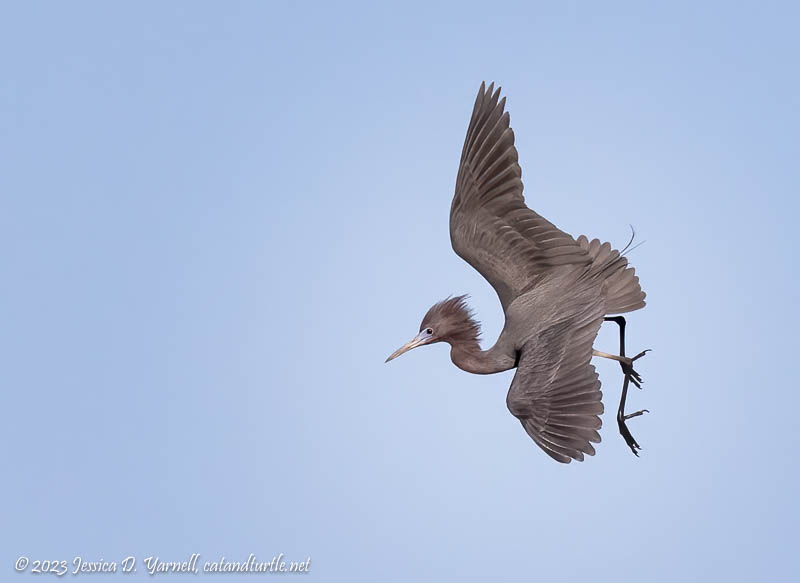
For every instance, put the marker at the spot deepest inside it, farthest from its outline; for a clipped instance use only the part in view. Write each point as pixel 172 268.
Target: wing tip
pixel 490 91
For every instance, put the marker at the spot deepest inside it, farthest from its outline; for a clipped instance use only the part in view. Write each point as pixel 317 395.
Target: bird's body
pixel 524 319
pixel 555 292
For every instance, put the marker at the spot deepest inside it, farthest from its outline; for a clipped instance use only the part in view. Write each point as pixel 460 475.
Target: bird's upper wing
pixel 490 226
pixel 555 392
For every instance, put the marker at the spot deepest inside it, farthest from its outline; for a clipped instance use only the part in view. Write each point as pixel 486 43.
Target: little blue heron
pixel 555 291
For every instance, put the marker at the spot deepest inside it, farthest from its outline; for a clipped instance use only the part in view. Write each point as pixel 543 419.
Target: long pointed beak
pixel 418 340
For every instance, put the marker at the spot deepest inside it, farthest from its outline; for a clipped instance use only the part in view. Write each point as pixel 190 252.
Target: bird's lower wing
pixel 556 392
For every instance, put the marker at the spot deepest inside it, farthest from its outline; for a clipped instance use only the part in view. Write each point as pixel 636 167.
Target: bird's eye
pixel 429 331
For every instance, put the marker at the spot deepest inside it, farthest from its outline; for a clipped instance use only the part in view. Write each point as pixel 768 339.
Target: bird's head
pixel 448 321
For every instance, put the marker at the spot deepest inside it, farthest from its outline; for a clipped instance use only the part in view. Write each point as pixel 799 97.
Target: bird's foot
pixel 634 377
pixel 626 433
pixel 627 368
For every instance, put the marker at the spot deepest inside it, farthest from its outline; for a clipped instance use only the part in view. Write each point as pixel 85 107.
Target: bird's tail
pixel 623 292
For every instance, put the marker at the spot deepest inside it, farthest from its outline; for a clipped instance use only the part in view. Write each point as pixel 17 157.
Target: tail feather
pixel 623 292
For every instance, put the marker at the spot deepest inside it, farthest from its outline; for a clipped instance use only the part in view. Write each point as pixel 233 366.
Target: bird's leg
pixel 625 362
pixel 630 376
pixel 622 417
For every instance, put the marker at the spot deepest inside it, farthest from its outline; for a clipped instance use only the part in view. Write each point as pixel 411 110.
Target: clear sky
pixel 218 219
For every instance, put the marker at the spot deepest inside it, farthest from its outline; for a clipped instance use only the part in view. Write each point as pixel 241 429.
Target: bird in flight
pixel 555 291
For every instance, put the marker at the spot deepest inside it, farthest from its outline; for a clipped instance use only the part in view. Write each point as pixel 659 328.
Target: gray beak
pixel 418 340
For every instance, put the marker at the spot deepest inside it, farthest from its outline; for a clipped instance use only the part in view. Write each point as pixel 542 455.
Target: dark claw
pixel 626 435
pixel 631 415
pixel 631 374
pixel 634 376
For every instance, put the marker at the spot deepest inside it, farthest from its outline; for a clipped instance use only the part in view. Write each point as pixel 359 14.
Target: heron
pixel 555 291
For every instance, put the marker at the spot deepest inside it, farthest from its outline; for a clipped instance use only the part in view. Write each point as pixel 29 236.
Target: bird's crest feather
pixel 453 320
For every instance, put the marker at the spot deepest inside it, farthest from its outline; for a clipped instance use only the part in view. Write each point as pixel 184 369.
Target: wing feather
pixel 490 226
pixel 556 392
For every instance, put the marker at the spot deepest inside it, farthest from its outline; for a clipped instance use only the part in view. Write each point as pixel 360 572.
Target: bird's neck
pixel 468 356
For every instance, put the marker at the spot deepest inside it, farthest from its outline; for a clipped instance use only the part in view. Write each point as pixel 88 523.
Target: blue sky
pixel 218 219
